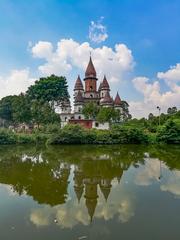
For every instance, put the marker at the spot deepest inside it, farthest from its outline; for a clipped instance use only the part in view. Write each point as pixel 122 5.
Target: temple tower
pixel 78 87
pixel 91 196
pixel 117 102
pixel 78 106
pixel 104 87
pixel 90 81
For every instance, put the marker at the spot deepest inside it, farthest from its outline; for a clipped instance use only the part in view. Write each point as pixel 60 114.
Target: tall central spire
pixel 90 71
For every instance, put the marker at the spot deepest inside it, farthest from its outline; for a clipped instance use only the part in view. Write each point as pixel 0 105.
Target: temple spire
pixel 117 100
pixel 78 84
pixel 90 70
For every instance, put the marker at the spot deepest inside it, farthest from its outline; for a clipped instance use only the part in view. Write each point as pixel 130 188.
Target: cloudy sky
pixel 135 43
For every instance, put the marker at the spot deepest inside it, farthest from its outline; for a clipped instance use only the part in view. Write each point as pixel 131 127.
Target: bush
pixel 70 134
pixel 128 134
pixel 52 128
pixel 7 137
pixel 75 134
pixel 25 138
pixel 169 132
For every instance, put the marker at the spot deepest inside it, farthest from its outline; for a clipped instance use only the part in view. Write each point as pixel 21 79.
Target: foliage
pixel 90 110
pixel 75 134
pixel 108 115
pixel 125 113
pixel 172 110
pixel 7 137
pixel 169 132
pixel 42 113
pixel 49 89
pixel 36 106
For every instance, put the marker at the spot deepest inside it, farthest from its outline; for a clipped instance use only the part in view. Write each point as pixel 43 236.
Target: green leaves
pixel 90 110
pixel 169 132
pixel 52 88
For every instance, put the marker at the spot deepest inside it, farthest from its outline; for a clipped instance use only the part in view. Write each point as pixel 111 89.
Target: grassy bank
pixel 75 134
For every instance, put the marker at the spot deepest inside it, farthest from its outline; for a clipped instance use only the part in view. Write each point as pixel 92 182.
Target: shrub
pixel 25 138
pixel 7 137
pixel 70 134
pixel 169 132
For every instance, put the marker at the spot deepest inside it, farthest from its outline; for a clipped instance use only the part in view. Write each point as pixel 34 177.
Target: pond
pixel 90 192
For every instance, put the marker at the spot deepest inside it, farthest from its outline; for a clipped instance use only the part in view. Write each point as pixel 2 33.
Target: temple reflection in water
pixel 45 174
pixel 47 181
pixel 87 183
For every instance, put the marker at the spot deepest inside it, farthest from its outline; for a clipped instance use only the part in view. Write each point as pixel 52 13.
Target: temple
pixel 89 92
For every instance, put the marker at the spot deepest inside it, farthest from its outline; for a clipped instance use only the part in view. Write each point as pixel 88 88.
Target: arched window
pixel 91 95
pixel 79 117
pixel 91 88
pixel 65 119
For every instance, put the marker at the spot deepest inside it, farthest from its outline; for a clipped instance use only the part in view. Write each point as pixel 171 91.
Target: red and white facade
pixel 89 92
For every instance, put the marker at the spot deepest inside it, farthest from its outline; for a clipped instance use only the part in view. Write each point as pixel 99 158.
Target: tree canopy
pixel 49 89
pixel 37 104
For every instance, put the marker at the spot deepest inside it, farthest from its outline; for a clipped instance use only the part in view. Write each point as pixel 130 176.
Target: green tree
pixel 172 110
pixel 169 132
pixel 125 113
pixel 6 107
pixel 106 114
pixel 42 113
pixel 21 109
pixel 90 110
pixel 150 116
pixel 52 89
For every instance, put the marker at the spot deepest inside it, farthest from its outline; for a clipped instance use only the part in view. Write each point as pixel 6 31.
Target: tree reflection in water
pixel 46 173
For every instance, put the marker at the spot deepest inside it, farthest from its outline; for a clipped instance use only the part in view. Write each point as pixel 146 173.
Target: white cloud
pixel 16 82
pixel 152 94
pixel 70 54
pixel 98 31
pixel 172 184
pixel 42 49
pixel 172 75
pixel 150 172
pixel 121 203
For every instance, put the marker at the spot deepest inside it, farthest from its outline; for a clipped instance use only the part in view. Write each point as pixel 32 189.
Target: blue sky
pixel 150 29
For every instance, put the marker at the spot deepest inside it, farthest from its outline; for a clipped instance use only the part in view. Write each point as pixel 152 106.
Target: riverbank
pixel 75 134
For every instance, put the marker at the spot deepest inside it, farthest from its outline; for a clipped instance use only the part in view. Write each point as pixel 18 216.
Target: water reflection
pixel 75 185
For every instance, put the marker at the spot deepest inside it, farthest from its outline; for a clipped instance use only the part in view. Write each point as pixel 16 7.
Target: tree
pixel 52 89
pixel 150 116
pixel 106 114
pixel 172 110
pixel 15 109
pixel 90 110
pixel 6 111
pixel 21 107
pixel 125 111
pixel 169 132
pixel 42 113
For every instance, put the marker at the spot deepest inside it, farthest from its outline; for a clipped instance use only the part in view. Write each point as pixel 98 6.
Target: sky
pixel 134 42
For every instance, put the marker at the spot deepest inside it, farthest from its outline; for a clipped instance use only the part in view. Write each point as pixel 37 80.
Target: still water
pixel 90 192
